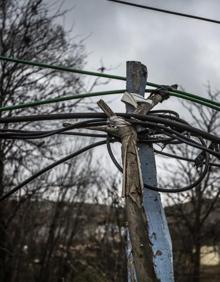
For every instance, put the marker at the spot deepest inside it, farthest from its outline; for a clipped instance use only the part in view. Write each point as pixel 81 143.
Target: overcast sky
pixel 175 49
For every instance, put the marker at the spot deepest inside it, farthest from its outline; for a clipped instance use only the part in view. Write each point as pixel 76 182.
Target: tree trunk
pixel 3 247
pixel 197 236
pixel 196 264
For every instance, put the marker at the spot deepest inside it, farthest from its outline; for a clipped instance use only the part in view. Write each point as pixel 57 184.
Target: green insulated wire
pixel 93 94
pixel 180 94
pixel 195 100
pixel 61 68
pixel 59 99
pixel 187 95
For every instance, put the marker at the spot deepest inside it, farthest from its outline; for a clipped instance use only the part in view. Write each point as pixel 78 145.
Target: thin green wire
pixel 59 99
pixel 93 94
pixel 196 97
pixel 186 94
pixel 182 94
pixel 61 68
pixel 192 99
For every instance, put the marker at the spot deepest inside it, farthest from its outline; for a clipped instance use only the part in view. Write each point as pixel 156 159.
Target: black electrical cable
pixel 183 189
pixel 108 143
pixel 192 143
pixel 167 190
pixel 178 142
pixel 181 158
pixel 174 156
pixel 110 152
pixel 145 122
pixel 175 134
pixel 215 165
pixel 19 134
pixel 36 135
pixel 42 171
pixel 46 117
pixel 33 132
pixel 173 118
pixel 159 121
pixel 157 140
pixel 180 125
pixel 165 112
pixel 150 117
pixel 145 136
pixel 181 137
pixel 79 115
pixel 82 134
pixel 165 11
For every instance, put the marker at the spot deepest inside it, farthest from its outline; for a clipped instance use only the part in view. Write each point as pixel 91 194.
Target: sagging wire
pixel 37 135
pixel 161 126
pixel 49 167
pixel 170 90
pixel 59 99
pixel 19 134
pixel 166 11
pixel 150 119
pixel 167 190
pixel 171 130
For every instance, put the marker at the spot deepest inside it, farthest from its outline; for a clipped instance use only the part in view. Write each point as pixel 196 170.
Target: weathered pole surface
pixel 159 246
pixel 133 193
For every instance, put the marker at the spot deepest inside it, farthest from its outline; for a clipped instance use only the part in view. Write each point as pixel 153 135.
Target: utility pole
pixel 160 247
pixel 149 244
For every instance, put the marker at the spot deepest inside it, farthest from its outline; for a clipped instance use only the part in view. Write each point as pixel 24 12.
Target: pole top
pixel 136 77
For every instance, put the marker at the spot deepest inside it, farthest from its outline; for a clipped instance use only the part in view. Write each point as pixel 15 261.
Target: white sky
pixel 175 49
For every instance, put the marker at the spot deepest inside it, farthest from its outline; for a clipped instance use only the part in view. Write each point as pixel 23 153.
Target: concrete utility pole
pixel 159 247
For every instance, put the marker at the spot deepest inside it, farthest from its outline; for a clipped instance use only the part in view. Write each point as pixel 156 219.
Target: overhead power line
pixel 157 126
pixel 166 11
pixel 49 167
pixel 59 99
pixel 178 125
pixel 61 68
pixel 148 119
pixel 171 91
pixel 193 98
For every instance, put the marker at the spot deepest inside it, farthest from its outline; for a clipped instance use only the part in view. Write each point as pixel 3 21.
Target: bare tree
pixel 68 238
pixel 28 30
pixel 48 229
pixel 193 214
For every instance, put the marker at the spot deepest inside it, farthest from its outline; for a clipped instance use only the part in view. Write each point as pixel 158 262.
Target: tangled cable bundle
pixel 156 127
pixel 163 127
